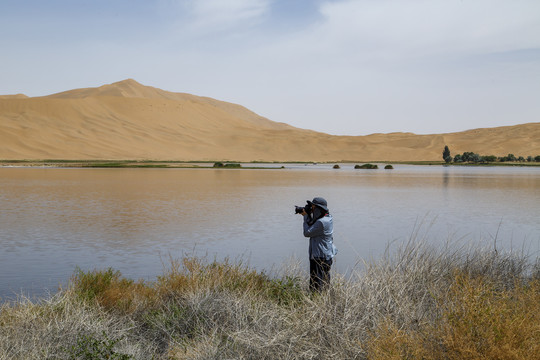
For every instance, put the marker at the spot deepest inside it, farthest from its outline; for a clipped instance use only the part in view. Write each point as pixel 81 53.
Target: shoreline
pixel 205 164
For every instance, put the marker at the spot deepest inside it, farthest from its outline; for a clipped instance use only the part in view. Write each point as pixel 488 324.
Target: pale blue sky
pixel 350 67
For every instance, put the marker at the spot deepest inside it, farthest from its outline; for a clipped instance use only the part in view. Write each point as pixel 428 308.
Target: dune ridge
pixel 127 120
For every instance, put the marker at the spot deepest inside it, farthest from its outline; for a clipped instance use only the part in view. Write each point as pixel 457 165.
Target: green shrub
pixel 337 166
pixel 226 165
pixel 232 165
pixel 286 291
pixel 389 167
pixel 90 348
pixel 112 291
pixel 91 285
pixel 366 166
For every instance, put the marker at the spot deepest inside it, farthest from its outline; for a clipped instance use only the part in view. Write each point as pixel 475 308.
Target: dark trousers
pixel 319 273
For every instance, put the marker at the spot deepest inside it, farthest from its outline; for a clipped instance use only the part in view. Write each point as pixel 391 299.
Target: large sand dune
pixel 127 120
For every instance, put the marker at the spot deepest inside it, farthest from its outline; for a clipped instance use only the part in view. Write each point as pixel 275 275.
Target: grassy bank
pixel 419 303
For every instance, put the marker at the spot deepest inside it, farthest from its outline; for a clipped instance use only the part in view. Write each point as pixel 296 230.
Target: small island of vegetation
pixel 366 166
pixel 227 165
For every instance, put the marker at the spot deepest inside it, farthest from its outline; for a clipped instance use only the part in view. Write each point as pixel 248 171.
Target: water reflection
pixel 446 176
pixel 55 219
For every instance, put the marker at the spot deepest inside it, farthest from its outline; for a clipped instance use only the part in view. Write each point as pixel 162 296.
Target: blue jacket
pixel 320 234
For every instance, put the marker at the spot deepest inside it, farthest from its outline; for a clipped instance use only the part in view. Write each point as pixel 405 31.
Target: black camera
pixel 299 209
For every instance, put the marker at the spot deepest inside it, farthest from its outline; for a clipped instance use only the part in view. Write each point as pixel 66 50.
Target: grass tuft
pixel 194 275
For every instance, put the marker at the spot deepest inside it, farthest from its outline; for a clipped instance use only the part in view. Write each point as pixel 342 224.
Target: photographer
pixel 319 227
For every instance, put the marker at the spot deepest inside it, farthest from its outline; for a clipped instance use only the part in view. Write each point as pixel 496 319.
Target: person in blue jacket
pixel 319 227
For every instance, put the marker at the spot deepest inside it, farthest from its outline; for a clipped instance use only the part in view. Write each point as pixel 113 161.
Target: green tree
pixel 466 157
pixel 475 158
pixel 537 158
pixel 490 158
pixel 446 154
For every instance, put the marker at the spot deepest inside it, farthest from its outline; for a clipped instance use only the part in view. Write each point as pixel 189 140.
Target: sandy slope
pixel 127 120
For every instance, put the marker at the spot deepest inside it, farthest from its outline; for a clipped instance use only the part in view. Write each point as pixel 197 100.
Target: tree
pixel 529 158
pixel 446 154
pixel 466 157
pixel 490 158
pixel 474 158
pixel 511 157
pixel 537 158
pixel 458 158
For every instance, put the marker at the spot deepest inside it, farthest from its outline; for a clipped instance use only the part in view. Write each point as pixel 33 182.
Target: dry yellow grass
pixel 479 320
pixel 418 303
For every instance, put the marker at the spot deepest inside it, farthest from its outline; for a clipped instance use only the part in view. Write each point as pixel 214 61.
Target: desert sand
pixel 127 120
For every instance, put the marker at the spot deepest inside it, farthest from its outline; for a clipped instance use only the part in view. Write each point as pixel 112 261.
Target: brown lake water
pixel 53 220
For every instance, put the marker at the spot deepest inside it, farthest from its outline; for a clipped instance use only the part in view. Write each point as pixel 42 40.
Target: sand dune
pixel 16 96
pixel 127 120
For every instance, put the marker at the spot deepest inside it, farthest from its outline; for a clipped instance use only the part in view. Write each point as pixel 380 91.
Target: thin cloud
pixel 431 27
pixel 211 16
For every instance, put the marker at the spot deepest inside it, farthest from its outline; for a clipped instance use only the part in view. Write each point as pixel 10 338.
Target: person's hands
pixel 303 212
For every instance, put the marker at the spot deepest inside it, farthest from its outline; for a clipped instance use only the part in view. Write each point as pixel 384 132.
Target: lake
pixel 53 220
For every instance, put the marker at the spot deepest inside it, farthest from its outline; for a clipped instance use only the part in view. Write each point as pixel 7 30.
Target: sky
pixel 343 67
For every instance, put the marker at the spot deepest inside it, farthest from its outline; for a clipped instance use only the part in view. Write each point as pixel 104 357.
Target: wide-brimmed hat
pixel 319 202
